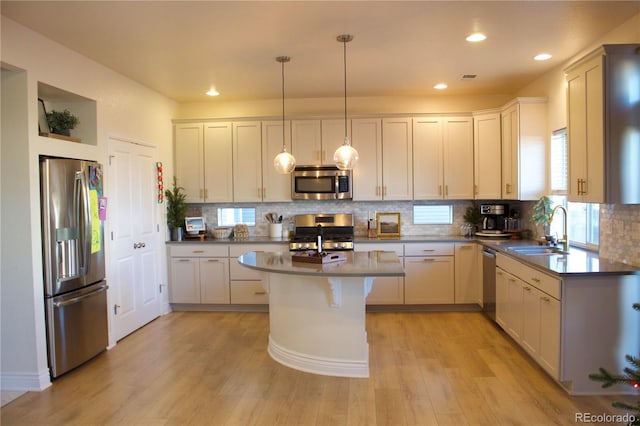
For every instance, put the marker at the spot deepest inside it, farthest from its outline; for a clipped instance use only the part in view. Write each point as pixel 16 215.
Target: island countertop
pixel 356 264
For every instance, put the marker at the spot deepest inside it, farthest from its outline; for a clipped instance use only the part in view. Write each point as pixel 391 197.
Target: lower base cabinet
pixel 199 274
pixel 385 290
pixel 528 314
pixel 429 274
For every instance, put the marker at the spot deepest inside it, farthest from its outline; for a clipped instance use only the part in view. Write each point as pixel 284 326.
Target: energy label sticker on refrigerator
pixel 96 241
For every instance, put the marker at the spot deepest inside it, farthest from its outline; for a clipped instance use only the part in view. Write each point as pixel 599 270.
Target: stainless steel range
pixel 334 231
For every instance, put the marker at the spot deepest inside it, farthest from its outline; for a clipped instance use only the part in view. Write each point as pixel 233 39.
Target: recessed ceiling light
pixel 213 92
pixel 542 57
pixel 476 37
pixel 440 86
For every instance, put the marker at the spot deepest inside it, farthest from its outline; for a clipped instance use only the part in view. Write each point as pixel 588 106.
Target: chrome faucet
pixel 565 240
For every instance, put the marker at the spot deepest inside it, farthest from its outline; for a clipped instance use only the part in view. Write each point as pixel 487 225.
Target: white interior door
pixel 134 236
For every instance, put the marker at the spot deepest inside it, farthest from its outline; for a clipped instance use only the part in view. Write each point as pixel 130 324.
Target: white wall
pixel 124 108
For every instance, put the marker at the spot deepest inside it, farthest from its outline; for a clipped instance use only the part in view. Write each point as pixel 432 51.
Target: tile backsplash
pixel 620 233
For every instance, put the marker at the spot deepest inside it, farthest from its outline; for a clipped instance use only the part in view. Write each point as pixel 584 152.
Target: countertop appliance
pixel 493 216
pixel 321 183
pixel 489 283
pixel 335 232
pixel 75 289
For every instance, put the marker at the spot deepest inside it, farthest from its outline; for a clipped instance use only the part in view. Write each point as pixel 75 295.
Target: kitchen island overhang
pixel 317 311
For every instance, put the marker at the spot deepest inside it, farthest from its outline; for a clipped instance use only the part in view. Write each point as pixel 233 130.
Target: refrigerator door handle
pixel 68 302
pixel 83 211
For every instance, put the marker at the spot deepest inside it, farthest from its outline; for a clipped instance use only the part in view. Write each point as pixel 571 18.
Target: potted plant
pixel 542 213
pixel 472 218
pixel 176 210
pixel 61 122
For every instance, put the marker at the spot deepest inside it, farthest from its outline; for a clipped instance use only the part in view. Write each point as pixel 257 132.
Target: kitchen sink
pixel 537 250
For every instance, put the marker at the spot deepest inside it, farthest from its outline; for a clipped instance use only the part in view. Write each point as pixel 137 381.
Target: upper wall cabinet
pixel 51 98
pixel 275 186
pixel 313 142
pixel 397 154
pixel 203 161
pixel 442 158
pixel 487 155
pixel 603 124
pixel 524 149
pixel 366 138
pixel 247 161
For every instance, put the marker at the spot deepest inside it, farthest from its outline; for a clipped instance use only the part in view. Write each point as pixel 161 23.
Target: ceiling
pixel 400 48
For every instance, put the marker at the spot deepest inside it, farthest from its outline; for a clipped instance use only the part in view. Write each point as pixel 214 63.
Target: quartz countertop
pixel 356 264
pixel 576 262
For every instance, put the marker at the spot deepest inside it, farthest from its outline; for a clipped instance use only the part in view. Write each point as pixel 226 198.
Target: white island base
pixel 317 324
pixel 317 311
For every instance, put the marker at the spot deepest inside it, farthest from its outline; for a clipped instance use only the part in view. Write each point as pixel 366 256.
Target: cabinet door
pixel 185 280
pixel 515 303
pixel 189 151
pixel 501 298
pixel 531 319
pixel 585 132
pixel 214 280
pixel 429 280
pixel 276 187
pixel 486 155
pixel 467 277
pixel 458 158
pixel 366 137
pixel 428 171
pixel 306 141
pixel 397 163
pixel 386 291
pixel 549 351
pixel 247 161
pixel 218 162
pixel 510 184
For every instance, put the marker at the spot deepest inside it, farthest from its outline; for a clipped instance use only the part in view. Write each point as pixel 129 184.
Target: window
pixel 433 215
pixel 584 218
pixel 233 216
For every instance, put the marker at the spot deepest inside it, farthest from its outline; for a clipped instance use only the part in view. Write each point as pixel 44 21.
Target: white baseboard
pixel 25 381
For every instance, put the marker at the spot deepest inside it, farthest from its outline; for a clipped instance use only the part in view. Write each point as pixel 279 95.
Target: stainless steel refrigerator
pixel 73 209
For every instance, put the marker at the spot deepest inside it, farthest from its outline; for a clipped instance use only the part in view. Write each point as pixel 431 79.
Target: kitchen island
pixel 317 311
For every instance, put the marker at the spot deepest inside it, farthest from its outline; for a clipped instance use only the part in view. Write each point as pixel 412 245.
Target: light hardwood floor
pixel 209 368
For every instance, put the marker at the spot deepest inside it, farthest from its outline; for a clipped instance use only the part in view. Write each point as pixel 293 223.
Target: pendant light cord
pixel 344 43
pixel 284 147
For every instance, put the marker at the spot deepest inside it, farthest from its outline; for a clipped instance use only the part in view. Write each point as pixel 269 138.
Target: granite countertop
pixel 356 264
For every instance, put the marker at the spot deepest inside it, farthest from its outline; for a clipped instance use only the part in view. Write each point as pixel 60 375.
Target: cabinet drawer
pixel 543 282
pixel 236 250
pixel 248 293
pixel 239 272
pixel 199 250
pixel 428 249
pixel 398 248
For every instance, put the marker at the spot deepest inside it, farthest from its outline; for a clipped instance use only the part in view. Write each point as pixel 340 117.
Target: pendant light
pixel 345 156
pixel 284 162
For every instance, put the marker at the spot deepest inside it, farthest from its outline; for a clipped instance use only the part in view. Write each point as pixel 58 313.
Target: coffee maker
pixel 493 216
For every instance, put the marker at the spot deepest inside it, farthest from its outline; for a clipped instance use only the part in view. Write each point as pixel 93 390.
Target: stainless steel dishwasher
pixel 489 283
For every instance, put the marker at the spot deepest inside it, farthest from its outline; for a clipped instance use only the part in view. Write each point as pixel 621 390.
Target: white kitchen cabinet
pixel 487 146
pixel 203 161
pixel 199 274
pixel 247 162
pixel 442 158
pixel 602 124
pixel 332 132
pixel 385 290
pixel 306 142
pixel 468 282
pixel 397 163
pixel 524 149
pixel 528 308
pixel 429 273
pixel 246 284
pixel 366 138
pixel 276 186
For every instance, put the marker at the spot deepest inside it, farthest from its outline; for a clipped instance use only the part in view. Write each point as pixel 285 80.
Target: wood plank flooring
pixel 212 368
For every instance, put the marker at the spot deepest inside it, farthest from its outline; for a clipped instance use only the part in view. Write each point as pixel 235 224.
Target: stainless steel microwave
pixel 321 183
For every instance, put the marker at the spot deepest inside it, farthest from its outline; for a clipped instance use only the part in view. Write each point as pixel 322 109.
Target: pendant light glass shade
pixel 346 156
pixel 284 162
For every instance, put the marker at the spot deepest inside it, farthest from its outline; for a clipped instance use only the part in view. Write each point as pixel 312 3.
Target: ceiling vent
pixel 468 76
